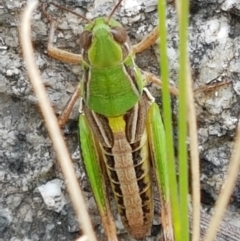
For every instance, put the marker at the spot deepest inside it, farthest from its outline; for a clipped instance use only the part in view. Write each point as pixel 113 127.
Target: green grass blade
pixel 167 118
pixel 182 117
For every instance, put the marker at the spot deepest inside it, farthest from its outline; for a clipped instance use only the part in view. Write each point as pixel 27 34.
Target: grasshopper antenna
pixel 114 9
pixel 68 10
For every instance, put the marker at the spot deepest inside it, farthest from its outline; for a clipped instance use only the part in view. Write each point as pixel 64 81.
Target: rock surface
pixel 27 160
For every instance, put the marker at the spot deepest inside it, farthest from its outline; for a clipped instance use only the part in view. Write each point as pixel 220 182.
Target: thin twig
pixel 195 175
pixel 227 189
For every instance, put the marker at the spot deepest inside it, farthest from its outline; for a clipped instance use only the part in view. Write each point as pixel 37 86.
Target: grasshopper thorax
pixel 104 43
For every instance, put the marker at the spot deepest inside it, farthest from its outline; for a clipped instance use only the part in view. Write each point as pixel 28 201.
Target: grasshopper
pixel 120 127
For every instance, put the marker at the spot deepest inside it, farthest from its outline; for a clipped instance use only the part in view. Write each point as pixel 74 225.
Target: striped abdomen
pixel 128 168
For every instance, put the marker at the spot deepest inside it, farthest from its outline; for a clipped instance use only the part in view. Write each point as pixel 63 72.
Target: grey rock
pixel 27 160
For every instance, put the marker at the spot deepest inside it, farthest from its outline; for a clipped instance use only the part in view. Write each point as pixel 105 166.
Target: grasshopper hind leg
pixel 91 155
pixel 157 145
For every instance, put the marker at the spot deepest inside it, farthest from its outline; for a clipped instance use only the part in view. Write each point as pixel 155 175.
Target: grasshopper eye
pixel 85 39
pixel 119 34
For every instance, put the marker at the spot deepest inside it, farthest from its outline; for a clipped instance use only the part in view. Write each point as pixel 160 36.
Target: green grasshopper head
pixel 104 43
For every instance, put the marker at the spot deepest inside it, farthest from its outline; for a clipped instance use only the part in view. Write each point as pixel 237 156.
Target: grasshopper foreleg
pixel 63 118
pixel 55 52
pixel 66 57
pixel 151 78
pixel 149 40
pixel 60 54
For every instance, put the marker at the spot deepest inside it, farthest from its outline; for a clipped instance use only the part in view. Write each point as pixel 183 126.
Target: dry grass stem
pixel 194 156
pixel 227 189
pixel 52 124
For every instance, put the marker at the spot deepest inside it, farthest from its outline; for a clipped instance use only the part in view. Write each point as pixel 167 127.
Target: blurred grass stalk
pixel 51 122
pixel 179 191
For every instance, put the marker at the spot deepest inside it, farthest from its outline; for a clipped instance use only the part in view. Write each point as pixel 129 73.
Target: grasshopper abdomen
pixel 127 161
